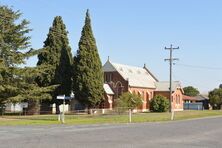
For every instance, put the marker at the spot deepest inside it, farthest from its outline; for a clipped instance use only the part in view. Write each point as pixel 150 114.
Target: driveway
pixel 197 133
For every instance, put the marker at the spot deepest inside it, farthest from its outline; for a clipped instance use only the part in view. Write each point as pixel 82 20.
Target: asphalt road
pixel 198 133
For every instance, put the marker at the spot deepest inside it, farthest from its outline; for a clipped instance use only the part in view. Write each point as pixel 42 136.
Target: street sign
pixel 63 97
pixel 60 97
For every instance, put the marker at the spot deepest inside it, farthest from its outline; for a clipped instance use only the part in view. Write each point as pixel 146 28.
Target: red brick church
pixel 119 78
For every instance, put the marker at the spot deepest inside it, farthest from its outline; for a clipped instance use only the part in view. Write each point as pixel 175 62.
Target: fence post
pixel 59 119
pixel 172 115
pixel 130 115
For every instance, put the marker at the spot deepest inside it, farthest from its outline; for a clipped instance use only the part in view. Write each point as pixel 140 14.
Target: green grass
pixel 111 119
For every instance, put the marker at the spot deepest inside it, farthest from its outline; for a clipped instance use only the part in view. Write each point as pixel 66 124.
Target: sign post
pixel 63 111
pixel 61 116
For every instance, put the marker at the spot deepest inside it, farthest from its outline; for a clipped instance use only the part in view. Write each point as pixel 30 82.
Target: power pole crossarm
pixel 171 59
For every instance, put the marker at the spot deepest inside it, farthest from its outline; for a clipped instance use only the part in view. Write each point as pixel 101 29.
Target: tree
pixel 159 104
pixel 88 74
pixel 215 98
pixel 128 101
pixel 16 83
pixel 30 91
pixel 191 91
pixel 56 60
pixel 13 52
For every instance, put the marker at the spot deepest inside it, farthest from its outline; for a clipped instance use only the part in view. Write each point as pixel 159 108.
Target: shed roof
pixel 195 98
pixel 201 97
pixel 185 97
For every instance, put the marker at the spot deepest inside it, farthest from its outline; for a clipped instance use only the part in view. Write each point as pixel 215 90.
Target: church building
pixel 119 78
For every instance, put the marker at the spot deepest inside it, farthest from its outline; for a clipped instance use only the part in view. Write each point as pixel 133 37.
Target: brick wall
pixel 116 82
pixel 177 101
pixel 146 94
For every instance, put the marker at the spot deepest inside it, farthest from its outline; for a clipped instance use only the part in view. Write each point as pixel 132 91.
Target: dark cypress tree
pixel 88 74
pixel 56 60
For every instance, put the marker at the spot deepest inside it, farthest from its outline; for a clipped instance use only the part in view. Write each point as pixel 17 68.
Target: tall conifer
pixel 88 74
pixel 13 45
pixel 56 59
pixel 16 83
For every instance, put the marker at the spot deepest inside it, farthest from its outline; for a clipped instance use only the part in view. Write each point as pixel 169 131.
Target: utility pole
pixel 171 59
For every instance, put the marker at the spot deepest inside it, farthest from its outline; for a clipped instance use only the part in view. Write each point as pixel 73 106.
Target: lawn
pixel 102 119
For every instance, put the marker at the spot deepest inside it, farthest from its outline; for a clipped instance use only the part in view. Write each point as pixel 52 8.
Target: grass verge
pixel 111 119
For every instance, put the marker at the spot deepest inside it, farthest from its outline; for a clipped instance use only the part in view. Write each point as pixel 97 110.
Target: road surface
pixel 199 133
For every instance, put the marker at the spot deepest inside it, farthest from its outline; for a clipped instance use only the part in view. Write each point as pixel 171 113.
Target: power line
pixel 199 67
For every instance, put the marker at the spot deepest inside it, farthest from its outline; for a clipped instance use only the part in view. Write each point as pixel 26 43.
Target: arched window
pixel 148 96
pixel 143 94
pixel 177 97
pixel 119 88
pixel 139 94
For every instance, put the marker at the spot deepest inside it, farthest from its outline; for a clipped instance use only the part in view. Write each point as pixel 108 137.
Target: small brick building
pixel 162 88
pixel 119 78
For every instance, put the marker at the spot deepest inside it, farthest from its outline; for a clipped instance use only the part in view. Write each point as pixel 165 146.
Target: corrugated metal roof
pixel 196 98
pixel 201 97
pixel 107 89
pixel 137 76
pixel 185 97
pixel 164 85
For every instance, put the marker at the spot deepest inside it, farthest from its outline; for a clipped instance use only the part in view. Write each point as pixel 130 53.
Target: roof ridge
pixel 127 65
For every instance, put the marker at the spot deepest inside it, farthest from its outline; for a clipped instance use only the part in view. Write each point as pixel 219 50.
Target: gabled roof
pixel 185 97
pixel 137 76
pixel 196 98
pixel 107 89
pixel 201 97
pixel 164 85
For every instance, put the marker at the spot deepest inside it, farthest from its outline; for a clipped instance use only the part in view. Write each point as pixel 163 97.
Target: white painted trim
pixel 178 110
pixel 145 110
pixel 130 91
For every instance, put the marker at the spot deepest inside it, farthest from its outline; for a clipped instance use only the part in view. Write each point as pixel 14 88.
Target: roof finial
pixel 144 66
pixel 108 58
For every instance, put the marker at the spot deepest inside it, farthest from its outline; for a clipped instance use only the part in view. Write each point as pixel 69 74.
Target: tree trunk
pixel 33 107
pixel 57 108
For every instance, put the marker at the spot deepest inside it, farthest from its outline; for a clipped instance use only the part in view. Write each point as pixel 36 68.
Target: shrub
pixel 128 101
pixel 159 104
pixel 215 98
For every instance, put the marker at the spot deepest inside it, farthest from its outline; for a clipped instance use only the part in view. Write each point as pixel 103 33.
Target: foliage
pixel 88 74
pixel 129 101
pixel 17 83
pixel 55 60
pixel 13 52
pixel 215 98
pixel 191 91
pixel 159 104
pixel 13 37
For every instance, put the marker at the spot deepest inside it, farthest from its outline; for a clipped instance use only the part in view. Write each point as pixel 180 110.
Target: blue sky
pixel 135 32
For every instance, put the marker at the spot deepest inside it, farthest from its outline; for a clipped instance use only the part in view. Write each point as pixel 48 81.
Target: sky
pixel 135 32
